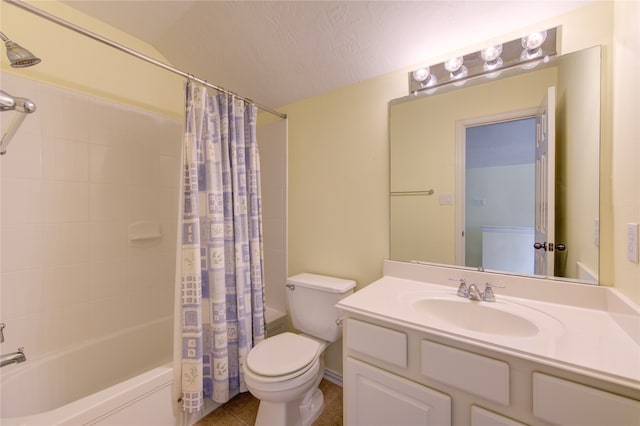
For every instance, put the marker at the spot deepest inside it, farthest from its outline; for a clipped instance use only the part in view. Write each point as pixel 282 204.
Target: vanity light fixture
pixel 489 62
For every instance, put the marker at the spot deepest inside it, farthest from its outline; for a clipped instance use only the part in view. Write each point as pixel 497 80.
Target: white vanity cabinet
pixel 395 374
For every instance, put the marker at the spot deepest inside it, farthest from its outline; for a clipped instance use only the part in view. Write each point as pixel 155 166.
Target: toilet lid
pixel 282 354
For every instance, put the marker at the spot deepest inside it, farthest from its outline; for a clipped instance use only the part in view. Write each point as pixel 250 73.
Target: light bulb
pixel 421 74
pixel 452 65
pixel 455 68
pixel 534 40
pixel 491 53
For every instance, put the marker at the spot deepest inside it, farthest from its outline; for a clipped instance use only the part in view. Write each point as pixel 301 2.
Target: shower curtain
pixel 221 259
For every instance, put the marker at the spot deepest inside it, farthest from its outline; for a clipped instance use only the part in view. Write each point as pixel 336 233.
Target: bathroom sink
pixel 483 317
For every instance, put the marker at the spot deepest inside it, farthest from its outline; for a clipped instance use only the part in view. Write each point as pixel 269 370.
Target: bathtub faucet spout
pixel 13 358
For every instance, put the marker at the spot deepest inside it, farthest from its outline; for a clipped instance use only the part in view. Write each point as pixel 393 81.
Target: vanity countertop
pixel 595 332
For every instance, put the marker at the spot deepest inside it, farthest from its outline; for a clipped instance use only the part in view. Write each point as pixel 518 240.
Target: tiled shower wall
pixel 272 142
pixel 77 174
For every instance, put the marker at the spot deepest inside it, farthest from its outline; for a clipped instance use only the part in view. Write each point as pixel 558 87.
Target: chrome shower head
pixel 18 56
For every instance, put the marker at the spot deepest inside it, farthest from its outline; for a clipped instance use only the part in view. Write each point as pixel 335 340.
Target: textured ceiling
pixel 278 52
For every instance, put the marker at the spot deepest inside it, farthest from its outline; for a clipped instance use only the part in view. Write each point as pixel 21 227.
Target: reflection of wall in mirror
pixel 421 229
pixel 577 154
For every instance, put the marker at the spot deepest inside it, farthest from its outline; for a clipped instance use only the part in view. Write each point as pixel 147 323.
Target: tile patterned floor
pixel 243 409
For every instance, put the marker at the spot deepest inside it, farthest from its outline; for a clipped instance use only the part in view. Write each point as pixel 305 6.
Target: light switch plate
pixel 596 232
pixel 446 199
pixel 632 242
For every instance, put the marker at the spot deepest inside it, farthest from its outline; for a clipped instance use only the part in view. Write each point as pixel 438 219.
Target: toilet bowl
pixel 284 371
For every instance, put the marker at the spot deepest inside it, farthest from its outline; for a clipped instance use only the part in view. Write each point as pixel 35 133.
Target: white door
pixel 375 397
pixel 545 203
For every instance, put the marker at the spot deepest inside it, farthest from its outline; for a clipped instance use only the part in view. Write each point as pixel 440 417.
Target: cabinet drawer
pixel 482 376
pixel 381 343
pixel 568 403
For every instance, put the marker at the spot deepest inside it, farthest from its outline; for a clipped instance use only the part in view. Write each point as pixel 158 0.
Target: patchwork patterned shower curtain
pixel 222 292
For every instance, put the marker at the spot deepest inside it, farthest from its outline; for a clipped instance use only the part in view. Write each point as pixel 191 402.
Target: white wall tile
pixel 107 241
pixel 107 202
pixel 65 115
pixel 146 271
pixel 65 243
pixel 108 316
pixel 65 202
pixel 22 247
pixel 144 203
pixel 144 162
pixel 109 125
pixel 108 164
pixel 23 158
pixel 169 137
pixel 64 159
pixel 21 293
pixel 66 285
pixel 108 279
pixel 21 201
pixel 168 172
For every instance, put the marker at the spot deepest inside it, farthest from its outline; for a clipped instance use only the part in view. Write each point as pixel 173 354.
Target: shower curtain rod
pixel 122 48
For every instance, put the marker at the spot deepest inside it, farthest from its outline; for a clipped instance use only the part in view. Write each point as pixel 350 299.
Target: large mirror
pixel 469 188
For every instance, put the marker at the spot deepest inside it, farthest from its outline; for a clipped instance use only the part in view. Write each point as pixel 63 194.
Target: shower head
pixel 18 56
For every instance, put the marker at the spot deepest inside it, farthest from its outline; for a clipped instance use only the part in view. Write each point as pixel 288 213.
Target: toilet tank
pixel 312 299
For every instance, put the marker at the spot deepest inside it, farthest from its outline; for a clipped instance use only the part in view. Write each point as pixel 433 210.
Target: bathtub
pixel 122 379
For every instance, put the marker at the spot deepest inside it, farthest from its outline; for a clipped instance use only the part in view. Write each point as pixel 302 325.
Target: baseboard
pixel 333 376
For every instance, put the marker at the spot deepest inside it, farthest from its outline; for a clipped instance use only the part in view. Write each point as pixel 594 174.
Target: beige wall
pixel 625 176
pixel 339 164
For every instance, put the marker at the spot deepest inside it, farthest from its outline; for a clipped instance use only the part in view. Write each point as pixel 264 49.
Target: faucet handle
pixel 487 294
pixel 462 288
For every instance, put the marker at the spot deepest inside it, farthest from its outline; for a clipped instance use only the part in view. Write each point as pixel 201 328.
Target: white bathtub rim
pixel 100 404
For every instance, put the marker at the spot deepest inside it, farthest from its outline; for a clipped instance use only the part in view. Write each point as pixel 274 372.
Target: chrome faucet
pixel 474 293
pixel 13 358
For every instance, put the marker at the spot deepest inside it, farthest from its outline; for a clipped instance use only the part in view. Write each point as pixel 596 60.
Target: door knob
pixel 550 246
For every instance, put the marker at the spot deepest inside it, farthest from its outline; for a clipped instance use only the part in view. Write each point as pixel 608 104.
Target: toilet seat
pixel 283 357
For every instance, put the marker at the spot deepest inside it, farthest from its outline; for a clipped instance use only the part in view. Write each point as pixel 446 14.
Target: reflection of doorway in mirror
pixel 499 194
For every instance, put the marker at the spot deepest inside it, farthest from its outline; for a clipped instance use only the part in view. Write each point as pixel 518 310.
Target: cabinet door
pixel 482 417
pixel 376 397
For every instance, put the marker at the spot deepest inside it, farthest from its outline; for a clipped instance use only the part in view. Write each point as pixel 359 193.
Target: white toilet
pixel 284 371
